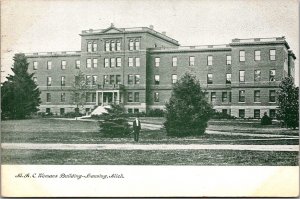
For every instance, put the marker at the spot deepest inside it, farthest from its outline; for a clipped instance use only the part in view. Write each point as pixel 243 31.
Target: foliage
pixel 114 123
pixel 20 96
pixel 79 89
pixel 155 113
pixel 187 112
pixel 288 101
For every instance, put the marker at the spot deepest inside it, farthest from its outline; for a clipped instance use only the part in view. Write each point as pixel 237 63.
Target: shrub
pixel 187 112
pixel 114 123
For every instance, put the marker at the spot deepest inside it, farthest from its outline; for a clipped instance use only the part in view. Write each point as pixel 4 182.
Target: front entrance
pixel 106 97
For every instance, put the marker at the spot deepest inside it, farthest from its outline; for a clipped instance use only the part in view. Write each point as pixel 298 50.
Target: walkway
pixel 149 147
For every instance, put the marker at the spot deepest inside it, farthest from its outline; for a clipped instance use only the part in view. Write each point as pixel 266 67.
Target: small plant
pixel 114 123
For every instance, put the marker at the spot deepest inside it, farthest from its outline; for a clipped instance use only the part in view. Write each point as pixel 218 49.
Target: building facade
pixel 136 67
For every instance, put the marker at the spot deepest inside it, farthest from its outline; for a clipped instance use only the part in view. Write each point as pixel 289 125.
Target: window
pixel 105 79
pixel 272 55
pixel 63 97
pixel 224 111
pixel 256 113
pixel 209 60
pixel 242 55
pixel 130 62
pixel 95 46
pixel 48 97
pixel 242 76
pixel 136 110
pixel 272 113
pixel 224 96
pixel 35 79
pixel 242 96
pixel 62 111
pixel 118 45
pixel 118 79
pixel 228 59
pixel 94 79
pixel 106 62
pixel 130 97
pixel 272 96
pixel 136 96
pixel 156 79
pixel 88 63
pixel 136 79
pixel 257 55
pixel 228 78
pixel 88 79
pixel 89 47
pixel 130 79
pixel 119 62
pixel 95 63
pixel 257 96
pixel 88 97
pixel 49 81
pixel 129 110
pixel 192 61
pixel 213 97
pixel 137 44
pixel 112 46
pixel 174 61
pixel 229 97
pixel 174 79
pixel 209 78
pixel 130 44
pixel 63 64
pixel 206 95
pixel 48 110
pixel 77 64
pixel 49 65
pixel 257 75
pixel 137 62
pixel 272 75
pixel 111 79
pixel 63 81
pixel 93 97
pixel 112 62
pixel 156 97
pixel 107 46
pixel 157 60
pixel 35 65
pixel 242 113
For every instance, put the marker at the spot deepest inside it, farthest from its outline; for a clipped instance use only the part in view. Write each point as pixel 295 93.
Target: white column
pixel 113 97
pixel 118 97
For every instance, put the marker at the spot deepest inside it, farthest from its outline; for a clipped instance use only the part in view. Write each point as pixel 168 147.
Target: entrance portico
pixel 108 97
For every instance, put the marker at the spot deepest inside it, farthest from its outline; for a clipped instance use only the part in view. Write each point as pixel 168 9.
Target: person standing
pixel 136 129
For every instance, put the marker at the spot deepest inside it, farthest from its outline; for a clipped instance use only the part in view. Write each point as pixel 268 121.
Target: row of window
pixel 272 113
pixel 115 45
pixel 90 97
pixel 257 57
pixel 226 96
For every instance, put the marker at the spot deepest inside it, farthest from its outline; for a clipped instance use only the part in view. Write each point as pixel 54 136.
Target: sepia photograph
pixel 198 97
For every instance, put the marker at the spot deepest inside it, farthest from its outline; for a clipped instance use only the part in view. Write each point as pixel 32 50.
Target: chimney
pixel 164 33
pixel 151 27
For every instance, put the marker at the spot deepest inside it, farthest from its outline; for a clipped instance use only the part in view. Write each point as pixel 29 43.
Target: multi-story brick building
pixel 137 67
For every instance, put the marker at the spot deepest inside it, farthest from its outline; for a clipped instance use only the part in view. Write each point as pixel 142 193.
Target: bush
pixel 114 123
pixel 187 112
pixel 155 113
pixel 72 114
pixel 221 115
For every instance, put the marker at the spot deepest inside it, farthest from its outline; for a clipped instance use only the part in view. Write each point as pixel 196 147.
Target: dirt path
pixel 148 147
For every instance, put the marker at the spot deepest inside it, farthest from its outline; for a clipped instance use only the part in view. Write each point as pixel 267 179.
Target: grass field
pixel 68 131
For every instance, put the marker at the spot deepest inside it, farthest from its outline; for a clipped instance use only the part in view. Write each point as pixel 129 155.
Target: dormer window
pixel 89 47
pixel 131 44
pixel 118 45
pixel 137 44
pixel 107 46
pixel 112 46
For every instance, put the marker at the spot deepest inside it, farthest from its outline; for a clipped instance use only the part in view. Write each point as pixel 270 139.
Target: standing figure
pixel 136 129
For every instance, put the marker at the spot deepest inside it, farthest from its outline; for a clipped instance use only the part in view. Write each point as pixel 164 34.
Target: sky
pixel 55 25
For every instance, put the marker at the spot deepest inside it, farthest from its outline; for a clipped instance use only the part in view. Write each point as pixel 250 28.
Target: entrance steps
pixel 99 110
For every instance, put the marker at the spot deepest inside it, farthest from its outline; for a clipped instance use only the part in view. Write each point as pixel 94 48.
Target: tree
pixel 288 101
pixel 20 96
pixel 187 111
pixel 114 123
pixel 79 89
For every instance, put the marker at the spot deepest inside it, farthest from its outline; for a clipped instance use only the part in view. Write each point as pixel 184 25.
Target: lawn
pixel 86 132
